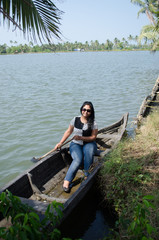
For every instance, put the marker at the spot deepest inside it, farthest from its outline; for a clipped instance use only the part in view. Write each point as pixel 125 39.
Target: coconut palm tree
pixel 150 32
pixel 146 7
pixel 38 19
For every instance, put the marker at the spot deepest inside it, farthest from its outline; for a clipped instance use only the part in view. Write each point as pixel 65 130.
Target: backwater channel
pixel 41 93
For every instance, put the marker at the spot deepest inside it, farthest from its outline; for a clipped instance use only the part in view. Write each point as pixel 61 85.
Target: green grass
pixel 130 173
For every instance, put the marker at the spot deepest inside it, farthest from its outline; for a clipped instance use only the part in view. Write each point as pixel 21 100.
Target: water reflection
pixel 91 219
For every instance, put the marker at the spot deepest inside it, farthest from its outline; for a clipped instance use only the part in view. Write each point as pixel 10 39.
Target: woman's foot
pixel 66 186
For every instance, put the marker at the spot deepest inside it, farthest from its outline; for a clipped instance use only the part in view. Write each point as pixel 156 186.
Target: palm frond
pixel 39 19
pixel 149 33
pixel 138 2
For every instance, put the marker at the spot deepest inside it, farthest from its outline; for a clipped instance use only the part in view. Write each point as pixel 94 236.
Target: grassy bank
pixel 129 181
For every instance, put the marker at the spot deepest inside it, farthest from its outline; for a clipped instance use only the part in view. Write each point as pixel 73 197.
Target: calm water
pixel 41 93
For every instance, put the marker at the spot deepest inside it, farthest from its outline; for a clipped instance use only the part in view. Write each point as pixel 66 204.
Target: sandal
pixel 67 190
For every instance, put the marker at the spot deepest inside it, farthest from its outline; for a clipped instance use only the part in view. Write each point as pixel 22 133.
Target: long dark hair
pixel 92 115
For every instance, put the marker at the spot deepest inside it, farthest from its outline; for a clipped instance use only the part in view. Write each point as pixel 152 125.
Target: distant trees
pixel 108 45
pixel 3 48
pixel 131 43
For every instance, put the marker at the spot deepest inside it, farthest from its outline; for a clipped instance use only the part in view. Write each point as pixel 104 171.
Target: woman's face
pixel 86 111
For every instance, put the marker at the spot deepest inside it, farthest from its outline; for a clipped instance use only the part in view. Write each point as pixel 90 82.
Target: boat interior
pixel 43 182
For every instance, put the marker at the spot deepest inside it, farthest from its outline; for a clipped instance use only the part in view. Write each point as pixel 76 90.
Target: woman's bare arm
pixel 67 133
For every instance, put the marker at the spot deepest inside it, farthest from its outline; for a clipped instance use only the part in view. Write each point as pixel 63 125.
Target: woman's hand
pixel 76 137
pixel 58 146
pixel 89 138
pixel 65 136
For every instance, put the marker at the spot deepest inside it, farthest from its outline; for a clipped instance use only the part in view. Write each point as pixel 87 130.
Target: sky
pixel 86 20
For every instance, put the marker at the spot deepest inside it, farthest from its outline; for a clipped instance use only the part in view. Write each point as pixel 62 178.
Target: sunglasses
pixel 86 110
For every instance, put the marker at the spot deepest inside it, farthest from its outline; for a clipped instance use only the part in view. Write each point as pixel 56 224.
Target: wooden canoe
pixel 42 183
pixel 150 103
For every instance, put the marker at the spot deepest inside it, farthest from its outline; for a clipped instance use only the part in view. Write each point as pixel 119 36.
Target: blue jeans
pixel 80 154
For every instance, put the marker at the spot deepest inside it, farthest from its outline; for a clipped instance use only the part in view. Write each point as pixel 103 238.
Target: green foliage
pixel 150 32
pixel 3 49
pixel 122 177
pixel 25 222
pixel 129 173
pixel 140 228
pixel 129 44
pixel 37 19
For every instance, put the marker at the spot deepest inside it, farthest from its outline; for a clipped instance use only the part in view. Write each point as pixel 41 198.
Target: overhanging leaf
pixel 39 19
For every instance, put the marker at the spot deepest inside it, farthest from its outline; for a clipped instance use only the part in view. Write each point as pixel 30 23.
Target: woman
pixel 83 145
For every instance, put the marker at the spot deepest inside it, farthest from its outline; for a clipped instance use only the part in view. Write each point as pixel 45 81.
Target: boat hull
pixel 150 103
pixel 42 184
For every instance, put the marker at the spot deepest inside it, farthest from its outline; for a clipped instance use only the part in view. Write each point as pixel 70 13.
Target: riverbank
pixel 70 47
pixel 113 50
pixel 129 181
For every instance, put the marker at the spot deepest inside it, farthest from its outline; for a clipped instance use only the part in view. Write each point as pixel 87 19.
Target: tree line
pixel 131 43
pixel 46 26
pixel 47 20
